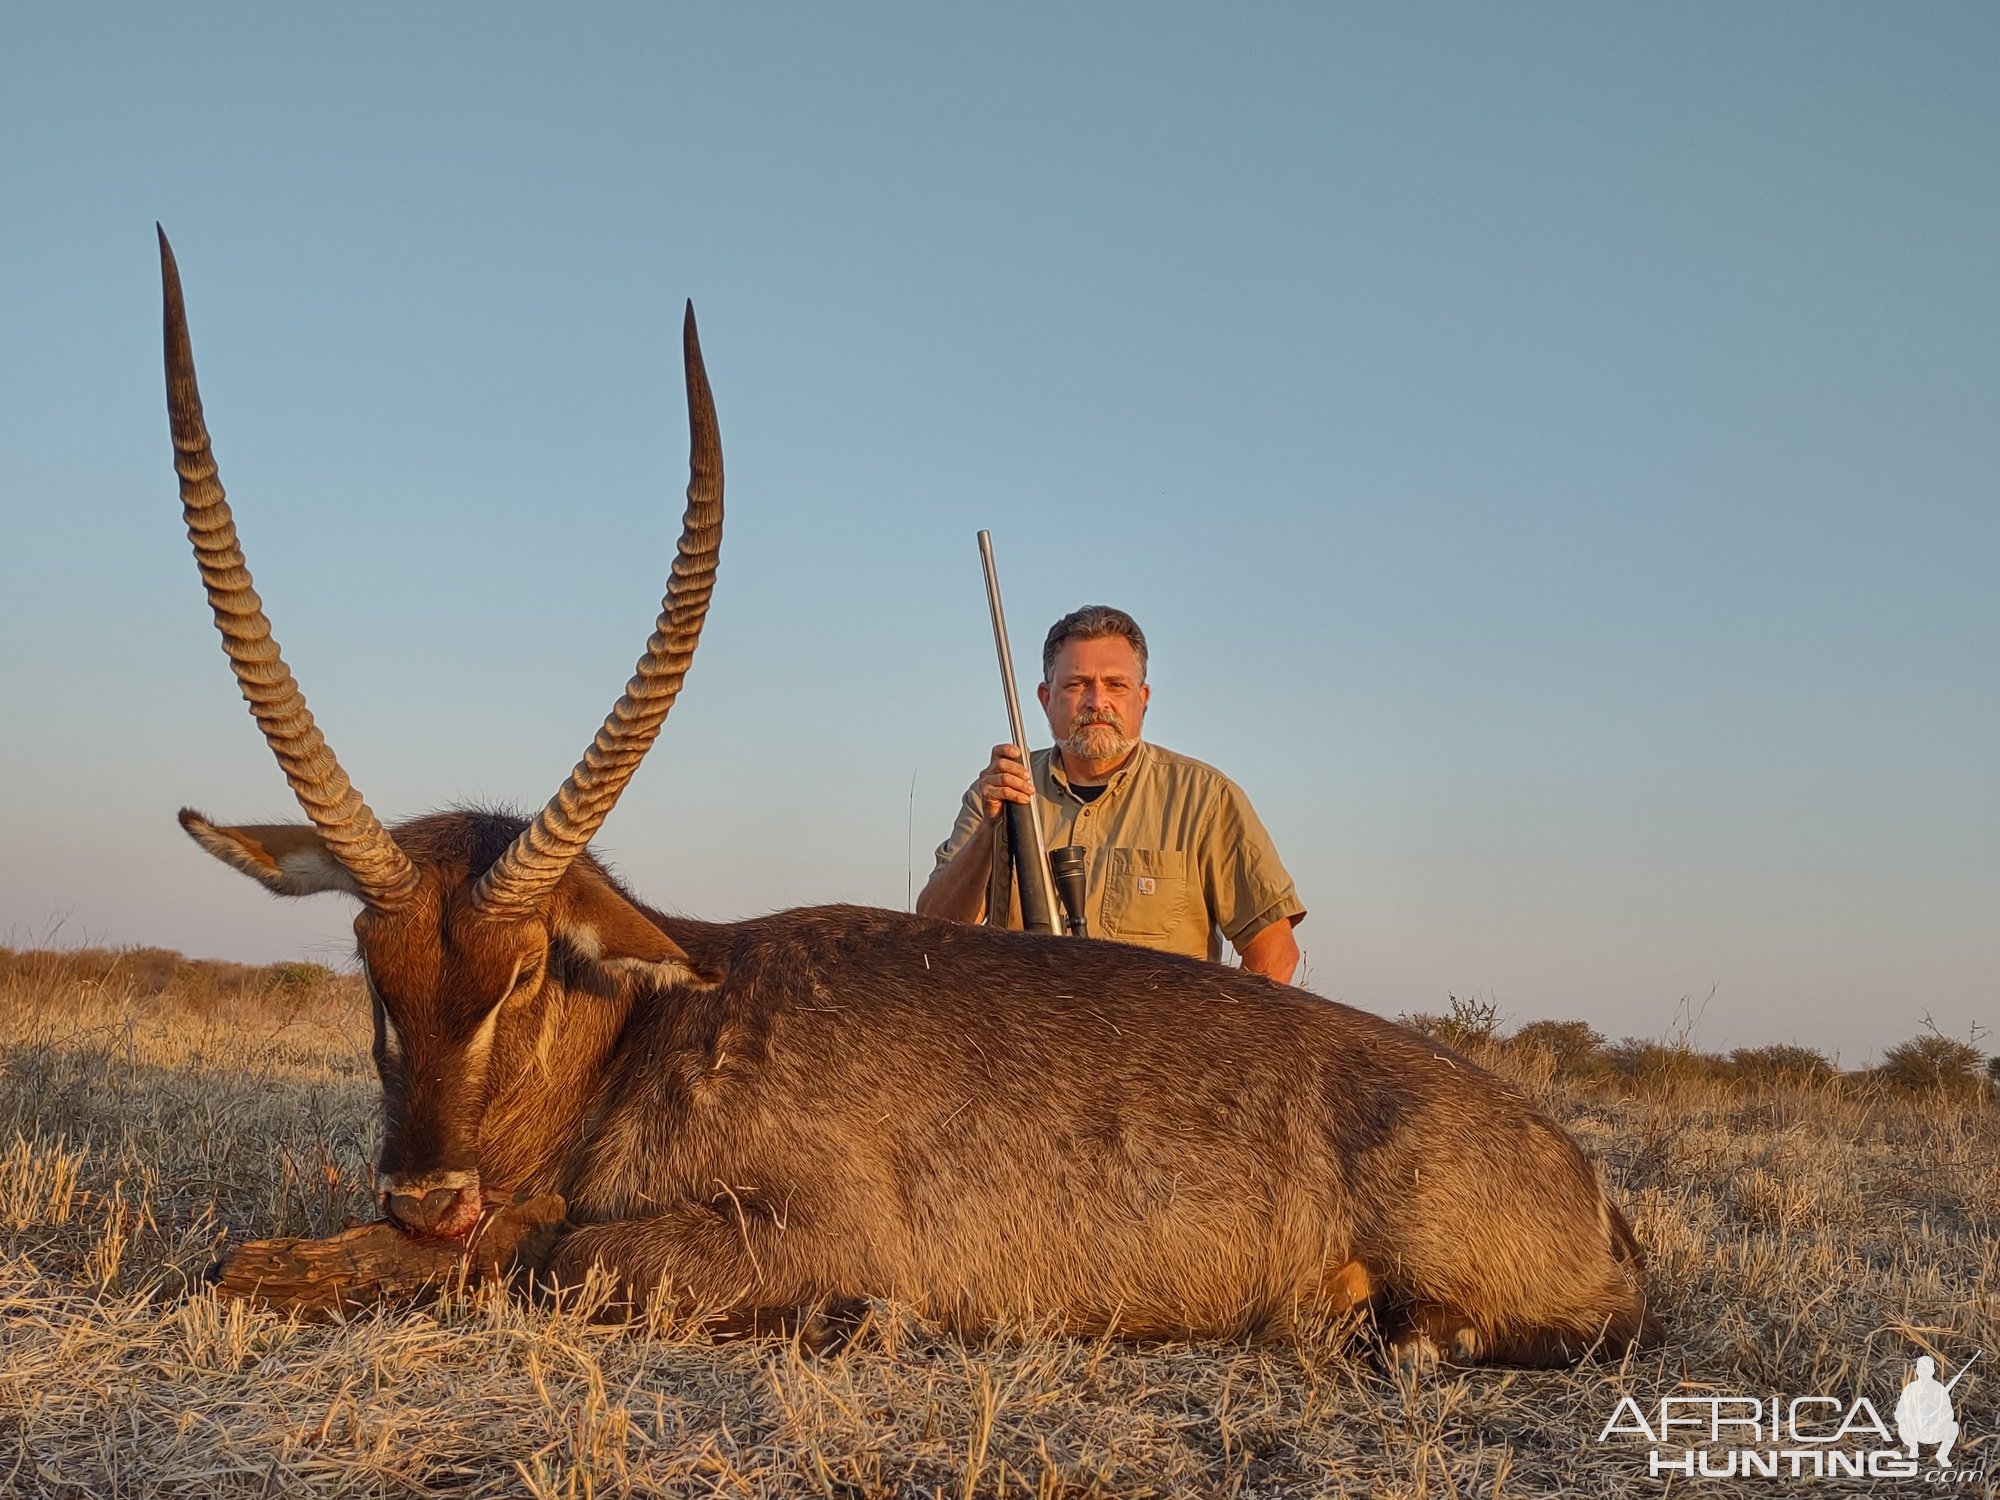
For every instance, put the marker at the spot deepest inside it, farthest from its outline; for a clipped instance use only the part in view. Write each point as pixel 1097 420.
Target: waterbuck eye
pixel 527 975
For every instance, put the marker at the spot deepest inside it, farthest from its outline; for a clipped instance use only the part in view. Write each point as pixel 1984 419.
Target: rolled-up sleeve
pixel 970 815
pixel 1247 886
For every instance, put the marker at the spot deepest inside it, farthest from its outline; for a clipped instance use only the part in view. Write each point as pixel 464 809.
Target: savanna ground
pixel 1809 1232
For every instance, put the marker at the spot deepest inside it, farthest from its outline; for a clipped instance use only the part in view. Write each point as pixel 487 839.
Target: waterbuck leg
pixel 1554 1348
pixel 1343 1291
pixel 1419 1335
pixel 1334 1305
pixel 1425 1333
pixel 725 1262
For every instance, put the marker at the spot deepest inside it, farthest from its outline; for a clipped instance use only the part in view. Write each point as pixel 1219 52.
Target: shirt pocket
pixel 1145 892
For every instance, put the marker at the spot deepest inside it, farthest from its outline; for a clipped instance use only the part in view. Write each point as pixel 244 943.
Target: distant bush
pixel 296 976
pixel 1466 1027
pixel 1782 1062
pixel 1578 1050
pixel 157 973
pixel 144 971
pixel 1575 1046
pixel 1930 1062
pixel 1647 1061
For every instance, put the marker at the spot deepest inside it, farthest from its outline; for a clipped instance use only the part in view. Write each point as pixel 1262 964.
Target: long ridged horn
pixel 351 831
pixel 522 877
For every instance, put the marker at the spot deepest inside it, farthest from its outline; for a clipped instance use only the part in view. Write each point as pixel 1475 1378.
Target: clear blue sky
pixel 1551 448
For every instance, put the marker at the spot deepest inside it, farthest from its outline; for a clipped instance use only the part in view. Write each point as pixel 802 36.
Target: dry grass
pixel 1808 1234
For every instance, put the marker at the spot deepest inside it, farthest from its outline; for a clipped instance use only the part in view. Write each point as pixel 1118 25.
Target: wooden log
pixel 379 1263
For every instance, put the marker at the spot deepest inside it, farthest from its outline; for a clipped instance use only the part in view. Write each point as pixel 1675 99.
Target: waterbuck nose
pixel 446 1212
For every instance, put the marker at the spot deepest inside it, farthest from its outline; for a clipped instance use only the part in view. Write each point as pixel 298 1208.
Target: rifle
pixel 1024 825
pixel 1961 1374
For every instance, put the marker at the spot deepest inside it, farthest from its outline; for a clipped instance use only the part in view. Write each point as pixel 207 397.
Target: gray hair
pixel 1091 623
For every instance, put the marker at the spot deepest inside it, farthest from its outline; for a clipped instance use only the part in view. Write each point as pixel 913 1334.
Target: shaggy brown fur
pixel 830 1104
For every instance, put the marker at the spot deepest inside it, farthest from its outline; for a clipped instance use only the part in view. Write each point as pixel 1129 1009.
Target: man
pixel 1923 1411
pixel 1176 857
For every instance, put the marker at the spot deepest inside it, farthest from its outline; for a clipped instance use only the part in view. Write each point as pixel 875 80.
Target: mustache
pixel 1096 733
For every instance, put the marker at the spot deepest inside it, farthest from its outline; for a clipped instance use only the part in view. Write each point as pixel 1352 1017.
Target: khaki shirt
pixel 1177 859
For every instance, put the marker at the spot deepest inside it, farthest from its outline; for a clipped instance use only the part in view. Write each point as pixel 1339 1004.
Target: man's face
pixel 1096 698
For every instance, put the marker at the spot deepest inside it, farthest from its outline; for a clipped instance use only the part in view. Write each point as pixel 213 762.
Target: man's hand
pixel 1004 780
pixel 957 889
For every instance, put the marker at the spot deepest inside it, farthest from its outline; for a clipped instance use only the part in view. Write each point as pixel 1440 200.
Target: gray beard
pixel 1098 742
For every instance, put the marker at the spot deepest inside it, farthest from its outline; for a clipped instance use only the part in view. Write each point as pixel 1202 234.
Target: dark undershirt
pixel 1088 793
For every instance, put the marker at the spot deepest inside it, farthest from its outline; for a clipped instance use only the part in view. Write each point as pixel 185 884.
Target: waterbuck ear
pixel 289 858
pixel 597 920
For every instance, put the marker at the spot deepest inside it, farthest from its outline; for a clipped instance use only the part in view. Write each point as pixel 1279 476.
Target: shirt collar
pixel 1112 787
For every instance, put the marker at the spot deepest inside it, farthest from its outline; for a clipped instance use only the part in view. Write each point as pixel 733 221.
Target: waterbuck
pixel 840 1103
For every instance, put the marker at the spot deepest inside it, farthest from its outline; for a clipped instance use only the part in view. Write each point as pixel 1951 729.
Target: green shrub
pixel 1647 1061
pixel 296 976
pixel 1930 1061
pixel 1782 1062
pixel 1576 1046
pixel 1466 1027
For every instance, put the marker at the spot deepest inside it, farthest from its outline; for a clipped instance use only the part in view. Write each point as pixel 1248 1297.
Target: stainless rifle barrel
pixel 1032 861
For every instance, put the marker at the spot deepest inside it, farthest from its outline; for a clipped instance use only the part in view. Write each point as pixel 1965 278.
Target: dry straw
pixel 1809 1233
